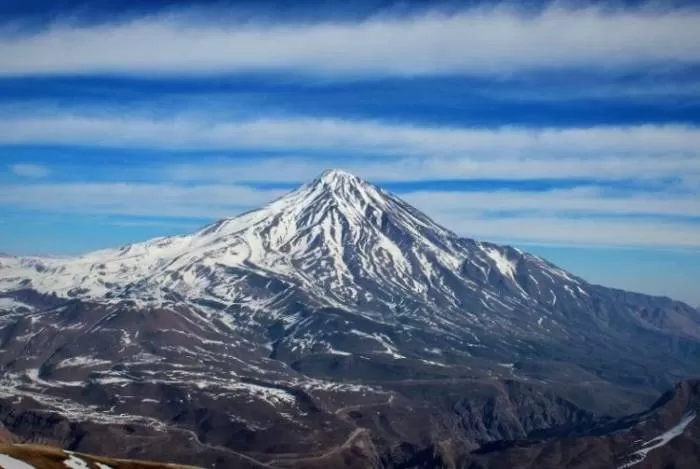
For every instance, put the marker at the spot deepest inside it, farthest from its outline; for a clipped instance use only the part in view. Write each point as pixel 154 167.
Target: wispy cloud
pixel 185 225
pixel 589 231
pixel 564 202
pixel 182 132
pixel 295 149
pixel 464 165
pixel 381 150
pixel 476 41
pixel 163 200
pixel 29 170
pixel 549 216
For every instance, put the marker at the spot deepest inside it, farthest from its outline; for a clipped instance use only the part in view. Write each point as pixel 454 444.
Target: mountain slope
pixel 333 301
pixel 665 436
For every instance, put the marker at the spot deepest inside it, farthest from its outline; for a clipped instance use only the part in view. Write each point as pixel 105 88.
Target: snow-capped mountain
pixel 336 242
pixel 336 296
pixel 327 236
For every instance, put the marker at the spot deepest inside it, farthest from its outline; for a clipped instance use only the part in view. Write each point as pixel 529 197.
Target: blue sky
pixel 571 130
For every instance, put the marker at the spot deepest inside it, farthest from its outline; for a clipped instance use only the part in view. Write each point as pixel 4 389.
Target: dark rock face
pixel 336 327
pixel 665 436
pixel 6 437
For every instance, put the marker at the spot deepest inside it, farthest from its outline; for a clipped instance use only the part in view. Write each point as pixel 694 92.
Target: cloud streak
pixel 549 216
pixel 29 170
pixel 380 151
pixel 476 41
pixel 489 165
pixel 415 152
pixel 577 201
pixel 289 133
pixel 580 232
pixel 161 200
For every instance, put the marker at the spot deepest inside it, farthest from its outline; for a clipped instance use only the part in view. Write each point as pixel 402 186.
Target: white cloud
pixel 579 201
pixel 345 135
pixel 578 216
pixel 543 217
pixel 475 41
pixel 185 225
pixel 29 170
pixel 163 200
pixel 391 152
pixel 570 231
pixel 381 150
pixel 469 165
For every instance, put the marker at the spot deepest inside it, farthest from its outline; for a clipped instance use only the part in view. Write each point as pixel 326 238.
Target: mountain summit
pixel 336 177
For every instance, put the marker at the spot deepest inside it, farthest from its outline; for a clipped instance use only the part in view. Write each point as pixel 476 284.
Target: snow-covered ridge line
pixel 339 241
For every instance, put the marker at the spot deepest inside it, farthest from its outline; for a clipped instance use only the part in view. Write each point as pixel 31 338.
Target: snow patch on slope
pixel 503 264
pixel 74 462
pixel 82 361
pixel 661 440
pixel 8 462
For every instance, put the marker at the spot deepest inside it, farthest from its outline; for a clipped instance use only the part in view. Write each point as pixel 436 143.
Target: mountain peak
pixel 335 174
pixel 343 187
pixel 337 179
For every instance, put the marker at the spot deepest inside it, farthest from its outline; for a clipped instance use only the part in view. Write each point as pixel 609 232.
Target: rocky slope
pixel 335 320
pixel 665 436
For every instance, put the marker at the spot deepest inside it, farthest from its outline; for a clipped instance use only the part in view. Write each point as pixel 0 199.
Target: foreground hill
pixel 44 457
pixel 665 436
pixel 336 317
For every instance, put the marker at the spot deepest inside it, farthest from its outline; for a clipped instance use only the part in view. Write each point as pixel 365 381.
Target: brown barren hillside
pixel 47 457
